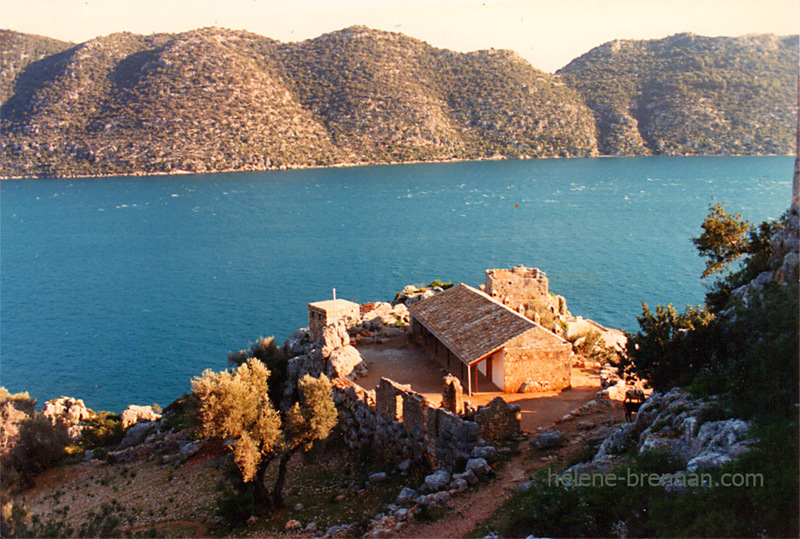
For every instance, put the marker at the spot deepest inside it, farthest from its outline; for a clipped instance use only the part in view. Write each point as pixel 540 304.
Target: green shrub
pixel 103 430
pixel 41 445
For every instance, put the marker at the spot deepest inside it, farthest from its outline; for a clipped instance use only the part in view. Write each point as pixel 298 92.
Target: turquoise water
pixel 120 290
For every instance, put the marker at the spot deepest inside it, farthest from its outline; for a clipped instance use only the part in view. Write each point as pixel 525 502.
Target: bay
pixel 120 290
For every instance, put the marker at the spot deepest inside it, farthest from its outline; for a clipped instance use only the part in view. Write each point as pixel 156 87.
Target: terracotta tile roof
pixel 473 325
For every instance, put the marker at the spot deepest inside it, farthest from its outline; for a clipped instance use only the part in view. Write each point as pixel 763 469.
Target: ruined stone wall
pixel 498 420
pixel 398 424
pixel 517 286
pixel 525 361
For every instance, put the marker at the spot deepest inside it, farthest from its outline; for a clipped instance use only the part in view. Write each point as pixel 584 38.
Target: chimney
pixel 334 293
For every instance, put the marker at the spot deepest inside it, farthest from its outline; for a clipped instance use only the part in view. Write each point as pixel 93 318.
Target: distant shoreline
pixel 366 164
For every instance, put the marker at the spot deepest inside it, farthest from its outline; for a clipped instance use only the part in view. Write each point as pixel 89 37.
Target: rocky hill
pixel 219 100
pixel 691 95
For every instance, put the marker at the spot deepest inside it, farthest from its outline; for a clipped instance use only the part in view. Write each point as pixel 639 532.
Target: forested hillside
pixel 217 100
pixel 687 94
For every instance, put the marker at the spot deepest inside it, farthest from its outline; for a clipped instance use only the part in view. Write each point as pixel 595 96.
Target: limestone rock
pixel 133 414
pixel 622 438
pixel 479 467
pixel 298 343
pixel 548 440
pixel 339 530
pixel 488 452
pixel 292 525
pixel 331 340
pixel 708 461
pixel 459 484
pixel 135 435
pixel 406 496
pixel 719 435
pixel 534 387
pixel 71 412
pixel 190 449
pixel 468 476
pixel 343 361
pixel 377 477
pixel 436 481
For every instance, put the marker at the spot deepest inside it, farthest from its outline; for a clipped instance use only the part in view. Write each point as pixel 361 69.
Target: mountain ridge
pixel 214 99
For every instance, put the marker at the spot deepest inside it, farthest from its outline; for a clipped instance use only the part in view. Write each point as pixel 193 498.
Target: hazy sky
pixel 548 33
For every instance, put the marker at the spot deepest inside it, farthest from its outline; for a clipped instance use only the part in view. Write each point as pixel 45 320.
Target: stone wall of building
pixel 498 420
pixel 517 286
pixel 548 365
pixel 397 423
pixel 329 312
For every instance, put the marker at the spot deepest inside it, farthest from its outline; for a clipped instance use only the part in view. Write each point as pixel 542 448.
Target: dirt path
pixel 472 508
pixel 469 510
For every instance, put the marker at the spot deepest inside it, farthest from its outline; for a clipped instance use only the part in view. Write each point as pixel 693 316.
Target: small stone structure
pixel 327 313
pixel 516 286
pixel 498 420
pixel 453 395
pixel 399 423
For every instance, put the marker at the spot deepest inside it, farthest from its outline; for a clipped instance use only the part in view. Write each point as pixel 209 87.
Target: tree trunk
pixel 277 492
pixel 260 491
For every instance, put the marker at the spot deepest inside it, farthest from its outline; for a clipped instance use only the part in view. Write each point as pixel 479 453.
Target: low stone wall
pixel 498 420
pixel 398 423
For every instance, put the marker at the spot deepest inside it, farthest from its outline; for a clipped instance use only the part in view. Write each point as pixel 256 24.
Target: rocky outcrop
pixel 784 262
pixel 70 412
pixel 135 413
pixel 696 432
pixel 14 410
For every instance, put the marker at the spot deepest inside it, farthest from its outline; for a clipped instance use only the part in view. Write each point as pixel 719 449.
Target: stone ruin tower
pixel 527 291
pixel 516 287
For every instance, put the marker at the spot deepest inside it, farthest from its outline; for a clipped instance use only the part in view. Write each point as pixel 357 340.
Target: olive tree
pixel 235 404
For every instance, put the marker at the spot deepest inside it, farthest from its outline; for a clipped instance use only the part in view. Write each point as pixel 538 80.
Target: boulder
pixel 548 440
pixel 136 435
pixel 479 467
pixel 719 435
pixel 406 496
pixel 531 386
pixel 330 340
pixel 467 476
pixel 377 477
pixel 708 461
pixel 619 441
pixel 133 414
pixel 436 481
pixel 190 449
pixel 292 525
pixel 343 361
pixel 11 417
pixel 459 484
pixel 486 452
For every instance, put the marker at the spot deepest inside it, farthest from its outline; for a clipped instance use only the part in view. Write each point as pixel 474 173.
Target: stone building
pixel 517 286
pixel 326 313
pixel 472 332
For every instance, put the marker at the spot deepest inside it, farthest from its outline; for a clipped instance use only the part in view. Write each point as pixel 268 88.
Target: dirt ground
pixel 408 363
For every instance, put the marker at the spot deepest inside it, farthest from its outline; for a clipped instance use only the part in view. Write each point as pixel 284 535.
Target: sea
pixel 120 290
